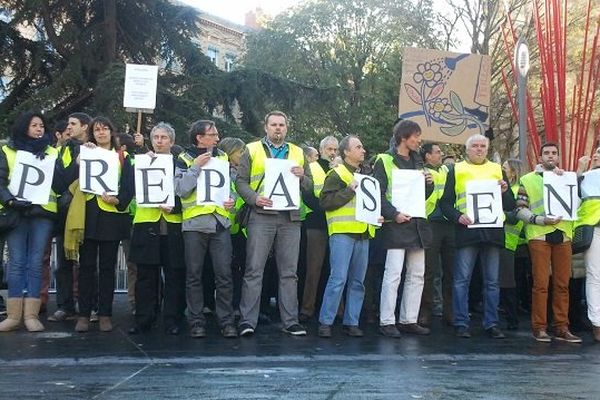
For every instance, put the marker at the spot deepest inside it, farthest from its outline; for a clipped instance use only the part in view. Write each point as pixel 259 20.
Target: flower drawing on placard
pixel 439 106
pixel 428 73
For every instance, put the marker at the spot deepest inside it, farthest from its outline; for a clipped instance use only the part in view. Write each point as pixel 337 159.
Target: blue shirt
pixel 280 152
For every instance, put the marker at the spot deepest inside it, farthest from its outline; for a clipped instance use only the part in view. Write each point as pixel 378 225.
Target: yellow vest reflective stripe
pixel 534 185
pixel 343 220
pixel 153 214
pixel 318 175
pixel 188 203
pixel 257 160
pixel 11 156
pixel 65 155
pixel 388 165
pixel 439 181
pixel 512 233
pixel 104 206
pixel 589 212
pixel 465 172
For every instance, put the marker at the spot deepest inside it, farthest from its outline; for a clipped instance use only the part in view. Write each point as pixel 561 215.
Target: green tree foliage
pixel 63 56
pixel 334 66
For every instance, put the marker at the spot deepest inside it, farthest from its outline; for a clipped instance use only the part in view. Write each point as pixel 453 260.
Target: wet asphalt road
pixel 59 364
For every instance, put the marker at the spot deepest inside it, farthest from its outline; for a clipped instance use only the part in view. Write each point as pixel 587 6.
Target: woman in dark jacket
pixel 107 222
pixel 403 236
pixel 27 241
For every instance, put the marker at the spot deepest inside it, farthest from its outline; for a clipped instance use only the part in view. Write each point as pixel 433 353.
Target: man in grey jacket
pixel 270 228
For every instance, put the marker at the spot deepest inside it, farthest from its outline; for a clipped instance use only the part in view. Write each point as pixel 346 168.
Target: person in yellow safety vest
pixel 483 243
pixel 67 171
pixel 107 222
pixel 270 228
pixel 27 241
pixel 205 229
pixel 348 241
pixel 439 257
pixel 315 227
pixel 549 241
pixel 405 237
pixel 589 214
pixel 157 242
pixel 512 237
pixel 234 148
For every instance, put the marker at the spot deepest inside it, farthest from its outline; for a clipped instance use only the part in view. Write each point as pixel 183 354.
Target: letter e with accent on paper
pixel 98 171
pixel 31 178
pixel 560 195
pixel 154 181
pixel 213 183
pixel 368 199
pixel 484 203
pixel 281 185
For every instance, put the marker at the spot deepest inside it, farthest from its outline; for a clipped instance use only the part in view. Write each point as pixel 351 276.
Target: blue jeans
pixel 26 247
pixel 464 263
pixel 349 259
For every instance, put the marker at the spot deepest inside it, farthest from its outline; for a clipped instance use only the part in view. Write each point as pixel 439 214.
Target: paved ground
pixel 59 364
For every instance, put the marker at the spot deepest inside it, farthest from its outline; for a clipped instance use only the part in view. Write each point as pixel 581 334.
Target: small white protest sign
pixel 368 199
pixel 484 203
pixel 408 192
pixel 140 86
pixel 560 195
pixel 213 183
pixel 98 171
pixel 31 178
pixel 154 181
pixel 281 186
pixel 590 186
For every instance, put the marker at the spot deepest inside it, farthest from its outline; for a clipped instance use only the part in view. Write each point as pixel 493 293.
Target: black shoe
pixel 414 329
pixel 229 332
pixel 173 330
pixel 495 333
pixel 462 332
pixel 353 331
pixel 324 331
pixel 198 331
pixel 245 330
pixel 295 330
pixel 390 331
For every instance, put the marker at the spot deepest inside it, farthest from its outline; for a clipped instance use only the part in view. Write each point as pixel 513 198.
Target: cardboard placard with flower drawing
pixel 447 94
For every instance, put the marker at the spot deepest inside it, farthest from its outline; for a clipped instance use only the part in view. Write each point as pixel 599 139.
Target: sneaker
pixel 229 332
pixel 542 336
pixel 390 331
pixel 94 316
pixel 295 330
pixel 414 329
pixel 245 330
pixel 325 331
pixel 353 331
pixel 495 333
pixel 462 332
pixel 197 331
pixel 567 336
pixel 61 316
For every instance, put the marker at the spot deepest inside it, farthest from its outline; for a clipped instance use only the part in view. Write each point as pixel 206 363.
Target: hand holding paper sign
pixel 202 159
pixel 297 171
pixel 227 204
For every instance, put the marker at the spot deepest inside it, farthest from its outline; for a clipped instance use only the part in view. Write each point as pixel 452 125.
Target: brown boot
pixel 596 332
pixel 105 324
pixel 83 324
pixel 30 313
pixel 14 311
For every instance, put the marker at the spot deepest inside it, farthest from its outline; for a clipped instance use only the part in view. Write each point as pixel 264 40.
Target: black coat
pixel 145 245
pixel 410 235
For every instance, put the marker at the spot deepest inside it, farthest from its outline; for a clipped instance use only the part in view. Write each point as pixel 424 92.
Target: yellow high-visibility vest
pixel 465 172
pixel 258 158
pixel 512 232
pixel 439 182
pixel 318 175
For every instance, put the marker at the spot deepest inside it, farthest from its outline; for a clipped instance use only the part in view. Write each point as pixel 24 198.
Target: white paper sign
pixel 98 171
pixel 140 86
pixel 590 186
pixel 213 183
pixel 154 181
pixel 560 195
pixel 281 186
pixel 31 179
pixel 484 203
pixel 408 192
pixel 368 199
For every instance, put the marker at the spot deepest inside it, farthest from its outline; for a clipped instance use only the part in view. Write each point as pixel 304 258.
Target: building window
pixel 229 62
pixel 212 53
